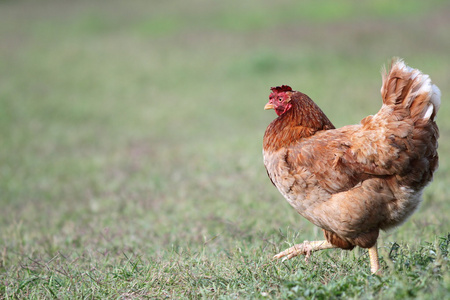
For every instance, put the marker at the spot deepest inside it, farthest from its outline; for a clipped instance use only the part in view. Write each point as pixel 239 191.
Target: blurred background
pixel 136 126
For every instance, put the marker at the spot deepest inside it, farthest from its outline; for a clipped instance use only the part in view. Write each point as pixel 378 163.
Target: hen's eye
pixel 280 99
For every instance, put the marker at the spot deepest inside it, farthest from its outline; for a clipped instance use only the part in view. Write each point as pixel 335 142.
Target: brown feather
pixel 358 179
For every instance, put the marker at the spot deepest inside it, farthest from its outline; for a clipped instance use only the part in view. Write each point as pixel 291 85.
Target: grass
pixel 131 138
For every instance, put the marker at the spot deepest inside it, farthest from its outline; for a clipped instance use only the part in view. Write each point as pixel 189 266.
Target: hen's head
pixel 279 99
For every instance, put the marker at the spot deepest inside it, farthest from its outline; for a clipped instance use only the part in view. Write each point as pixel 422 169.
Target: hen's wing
pixel 341 158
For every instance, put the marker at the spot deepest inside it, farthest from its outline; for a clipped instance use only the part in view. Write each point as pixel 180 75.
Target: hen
pixel 358 179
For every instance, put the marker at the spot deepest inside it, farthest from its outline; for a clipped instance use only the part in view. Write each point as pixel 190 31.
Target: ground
pixel 131 134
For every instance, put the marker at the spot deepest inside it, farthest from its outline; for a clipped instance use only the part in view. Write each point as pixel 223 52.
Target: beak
pixel 269 106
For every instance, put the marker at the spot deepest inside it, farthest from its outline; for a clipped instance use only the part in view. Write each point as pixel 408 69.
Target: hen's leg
pixel 304 249
pixel 374 262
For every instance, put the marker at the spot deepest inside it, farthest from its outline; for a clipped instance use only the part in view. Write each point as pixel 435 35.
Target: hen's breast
pixel 295 181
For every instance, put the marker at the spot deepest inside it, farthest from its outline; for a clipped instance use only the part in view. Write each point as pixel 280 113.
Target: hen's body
pixel 358 179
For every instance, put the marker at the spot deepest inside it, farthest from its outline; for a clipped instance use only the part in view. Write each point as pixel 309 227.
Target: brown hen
pixel 358 179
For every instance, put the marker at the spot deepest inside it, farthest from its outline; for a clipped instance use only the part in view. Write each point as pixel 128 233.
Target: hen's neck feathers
pixel 303 120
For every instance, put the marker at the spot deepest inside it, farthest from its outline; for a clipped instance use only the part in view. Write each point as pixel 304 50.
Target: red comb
pixel 283 88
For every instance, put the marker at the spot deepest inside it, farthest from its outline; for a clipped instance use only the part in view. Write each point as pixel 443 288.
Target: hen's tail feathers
pixel 409 91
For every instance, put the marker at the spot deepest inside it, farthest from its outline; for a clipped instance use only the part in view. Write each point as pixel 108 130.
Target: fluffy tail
pixel 409 91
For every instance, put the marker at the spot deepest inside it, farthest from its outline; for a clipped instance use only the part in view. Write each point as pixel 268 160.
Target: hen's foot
pixel 375 267
pixel 306 248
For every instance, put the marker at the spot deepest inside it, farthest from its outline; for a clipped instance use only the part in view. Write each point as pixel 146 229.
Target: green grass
pixel 130 158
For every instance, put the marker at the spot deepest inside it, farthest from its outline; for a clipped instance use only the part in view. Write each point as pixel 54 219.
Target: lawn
pixel 131 137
